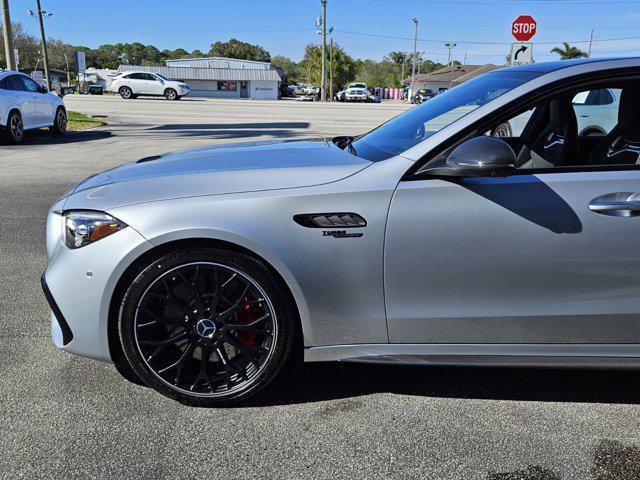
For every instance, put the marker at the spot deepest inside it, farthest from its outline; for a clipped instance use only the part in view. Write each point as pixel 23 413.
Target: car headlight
pixel 83 227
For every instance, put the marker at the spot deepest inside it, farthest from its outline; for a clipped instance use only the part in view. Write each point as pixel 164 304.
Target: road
pixel 70 417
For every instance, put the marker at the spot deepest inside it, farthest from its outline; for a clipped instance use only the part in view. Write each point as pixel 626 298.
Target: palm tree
pixel 569 52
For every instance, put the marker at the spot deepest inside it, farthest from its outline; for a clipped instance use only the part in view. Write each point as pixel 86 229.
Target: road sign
pixel 38 76
pixel 81 62
pixel 524 28
pixel 521 53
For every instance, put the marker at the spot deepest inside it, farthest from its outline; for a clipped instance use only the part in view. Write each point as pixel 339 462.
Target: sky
pixel 364 28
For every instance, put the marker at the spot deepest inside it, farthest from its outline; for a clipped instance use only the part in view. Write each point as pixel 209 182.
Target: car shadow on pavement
pixel 227 131
pixel 227 126
pixel 43 137
pixel 330 381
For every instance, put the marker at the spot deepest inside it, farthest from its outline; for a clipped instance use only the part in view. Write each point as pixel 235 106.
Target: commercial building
pixel 448 76
pixel 220 77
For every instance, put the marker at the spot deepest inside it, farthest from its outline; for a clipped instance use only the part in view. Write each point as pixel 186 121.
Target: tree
pixel 27 45
pixel 344 68
pixel 292 71
pixel 568 52
pixel 240 50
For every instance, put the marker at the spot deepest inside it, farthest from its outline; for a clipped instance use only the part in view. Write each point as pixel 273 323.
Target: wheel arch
pixel 160 248
pixel 13 108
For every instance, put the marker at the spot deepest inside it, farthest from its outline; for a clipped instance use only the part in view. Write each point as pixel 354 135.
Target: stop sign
pixel 524 28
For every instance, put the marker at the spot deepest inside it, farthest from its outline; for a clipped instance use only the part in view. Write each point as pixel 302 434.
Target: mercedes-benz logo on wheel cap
pixel 206 328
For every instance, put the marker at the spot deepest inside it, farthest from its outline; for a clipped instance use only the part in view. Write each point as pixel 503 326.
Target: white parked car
pixel 357 92
pixel 133 84
pixel 26 105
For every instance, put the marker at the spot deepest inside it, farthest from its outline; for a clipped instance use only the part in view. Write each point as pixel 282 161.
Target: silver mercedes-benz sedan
pixel 425 241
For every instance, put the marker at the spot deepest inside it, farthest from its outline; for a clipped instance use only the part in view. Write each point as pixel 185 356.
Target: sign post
pixel 523 29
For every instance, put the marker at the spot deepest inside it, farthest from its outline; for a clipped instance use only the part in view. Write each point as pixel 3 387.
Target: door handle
pixel 620 204
pixel 586 115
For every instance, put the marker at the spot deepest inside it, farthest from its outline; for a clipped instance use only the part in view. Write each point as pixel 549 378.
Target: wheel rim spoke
pixel 177 343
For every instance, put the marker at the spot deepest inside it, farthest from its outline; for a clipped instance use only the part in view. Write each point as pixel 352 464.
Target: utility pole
pixel 323 92
pixel 68 74
pixel 449 62
pixel 415 48
pixel 590 43
pixel 464 63
pixel 44 45
pixel 8 36
pixel 331 68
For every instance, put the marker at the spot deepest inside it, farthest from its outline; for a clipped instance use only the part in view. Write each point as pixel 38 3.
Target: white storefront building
pixel 220 77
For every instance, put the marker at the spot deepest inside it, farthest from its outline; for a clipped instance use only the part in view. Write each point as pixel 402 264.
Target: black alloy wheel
pixel 206 328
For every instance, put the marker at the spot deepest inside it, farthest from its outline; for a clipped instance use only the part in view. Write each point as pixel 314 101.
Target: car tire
pixel 59 126
pixel 126 93
pixel 501 131
pixel 171 94
pixel 185 295
pixel 14 131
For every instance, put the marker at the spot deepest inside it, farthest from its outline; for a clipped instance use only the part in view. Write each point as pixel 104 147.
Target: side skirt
pixel 626 356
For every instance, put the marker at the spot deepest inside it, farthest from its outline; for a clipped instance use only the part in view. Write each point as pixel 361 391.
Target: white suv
pixel 26 105
pixel 132 84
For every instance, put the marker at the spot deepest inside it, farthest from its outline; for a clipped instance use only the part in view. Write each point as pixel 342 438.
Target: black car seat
pixel 557 144
pixel 621 146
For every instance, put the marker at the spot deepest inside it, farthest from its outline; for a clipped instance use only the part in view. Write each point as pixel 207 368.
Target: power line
pixel 429 40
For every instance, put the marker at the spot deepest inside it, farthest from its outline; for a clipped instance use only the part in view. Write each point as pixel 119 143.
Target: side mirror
pixel 483 157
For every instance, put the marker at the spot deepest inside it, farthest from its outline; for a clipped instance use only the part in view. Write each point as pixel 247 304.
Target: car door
pixel 24 99
pixel 136 82
pixel 43 106
pixel 517 260
pixel 156 84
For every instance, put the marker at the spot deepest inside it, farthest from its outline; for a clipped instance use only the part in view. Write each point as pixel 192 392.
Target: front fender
pixel 256 248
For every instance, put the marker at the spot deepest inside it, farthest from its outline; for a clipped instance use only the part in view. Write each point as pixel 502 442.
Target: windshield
pixel 162 77
pixel 357 85
pixel 419 123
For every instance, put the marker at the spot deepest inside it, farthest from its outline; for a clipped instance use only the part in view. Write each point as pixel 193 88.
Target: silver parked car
pixel 426 241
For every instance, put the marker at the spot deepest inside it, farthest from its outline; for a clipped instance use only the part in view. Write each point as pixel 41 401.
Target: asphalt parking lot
pixel 69 417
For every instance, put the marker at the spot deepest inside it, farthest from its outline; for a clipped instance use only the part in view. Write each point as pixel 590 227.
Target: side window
pixel 4 85
pixel 151 77
pixel 30 84
pixel 576 129
pixel 16 83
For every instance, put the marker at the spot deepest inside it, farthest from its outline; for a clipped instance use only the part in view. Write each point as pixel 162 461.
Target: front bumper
pixel 79 285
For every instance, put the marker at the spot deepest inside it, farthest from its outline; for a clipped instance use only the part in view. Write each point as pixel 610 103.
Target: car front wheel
pixel 206 327
pixel 59 126
pixel 14 131
pixel 171 94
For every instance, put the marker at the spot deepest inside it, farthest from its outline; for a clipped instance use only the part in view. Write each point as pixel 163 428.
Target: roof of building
pixel 218 62
pixel 461 73
pixel 199 73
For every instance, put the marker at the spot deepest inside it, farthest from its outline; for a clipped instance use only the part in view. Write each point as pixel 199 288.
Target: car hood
pixel 233 168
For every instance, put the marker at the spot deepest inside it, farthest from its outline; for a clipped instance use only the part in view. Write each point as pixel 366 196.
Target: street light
pixel 450 46
pixel 42 13
pixel 415 47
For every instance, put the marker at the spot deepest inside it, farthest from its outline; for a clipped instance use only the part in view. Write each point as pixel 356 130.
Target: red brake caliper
pixel 246 315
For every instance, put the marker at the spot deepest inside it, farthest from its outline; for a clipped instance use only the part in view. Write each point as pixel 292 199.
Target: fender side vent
pixel 330 220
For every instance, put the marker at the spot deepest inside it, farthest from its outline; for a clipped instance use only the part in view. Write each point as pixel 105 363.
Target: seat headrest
pixel 561 114
pixel 629 113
